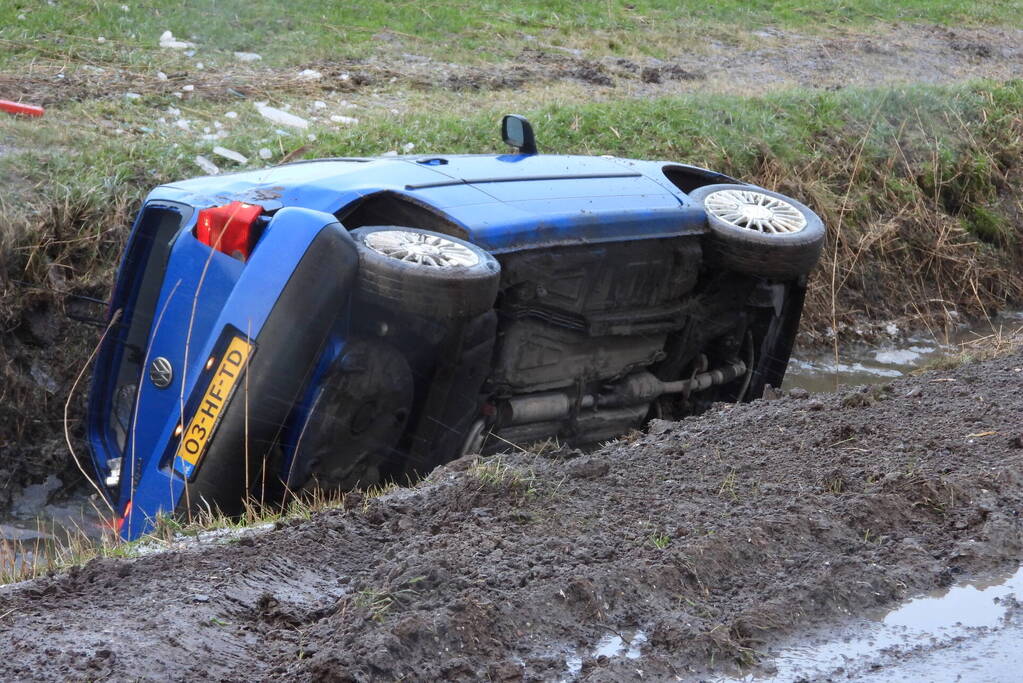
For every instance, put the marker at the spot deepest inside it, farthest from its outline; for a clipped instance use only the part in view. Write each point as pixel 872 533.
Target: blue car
pixel 341 322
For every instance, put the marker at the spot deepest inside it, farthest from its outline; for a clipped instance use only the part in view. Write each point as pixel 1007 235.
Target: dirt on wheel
pixel 694 545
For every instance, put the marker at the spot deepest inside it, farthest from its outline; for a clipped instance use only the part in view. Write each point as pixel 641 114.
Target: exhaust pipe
pixel 637 388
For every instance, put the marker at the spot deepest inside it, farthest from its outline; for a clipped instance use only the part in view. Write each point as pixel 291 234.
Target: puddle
pixel 970 632
pixel 819 371
pixel 611 645
pixel 28 540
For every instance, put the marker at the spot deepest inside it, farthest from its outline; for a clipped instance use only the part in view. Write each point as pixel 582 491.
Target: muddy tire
pixel 425 273
pixel 758 232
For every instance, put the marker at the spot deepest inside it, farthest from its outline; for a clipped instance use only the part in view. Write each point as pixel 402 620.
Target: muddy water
pixel 857 364
pixel 970 632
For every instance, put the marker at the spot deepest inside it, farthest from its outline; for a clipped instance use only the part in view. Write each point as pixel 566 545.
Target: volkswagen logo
pixel 161 372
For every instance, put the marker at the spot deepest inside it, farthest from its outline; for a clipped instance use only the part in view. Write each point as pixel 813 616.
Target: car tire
pixel 425 273
pixel 758 232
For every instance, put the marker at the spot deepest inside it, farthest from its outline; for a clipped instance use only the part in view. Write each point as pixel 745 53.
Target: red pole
pixel 17 108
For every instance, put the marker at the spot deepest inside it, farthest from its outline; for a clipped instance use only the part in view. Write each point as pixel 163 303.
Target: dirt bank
pixel 696 543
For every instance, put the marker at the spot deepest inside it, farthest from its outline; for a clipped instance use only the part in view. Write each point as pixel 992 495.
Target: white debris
pixel 265 153
pixel 183 124
pixel 230 154
pixel 188 88
pixel 343 77
pixel 206 165
pixel 125 8
pixel 319 104
pixel 218 125
pixel 309 75
pixel 279 116
pixel 231 115
pixel 346 120
pixel 391 153
pixel 311 137
pixel 101 40
pixel 132 96
pixel 200 66
pixel 161 76
pixel 168 40
pixel 247 56
pixel 206 129
pixel 173 111
pixel 408 147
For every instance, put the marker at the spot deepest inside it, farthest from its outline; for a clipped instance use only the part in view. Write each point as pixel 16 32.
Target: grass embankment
pixel 918 185
pixel 464 30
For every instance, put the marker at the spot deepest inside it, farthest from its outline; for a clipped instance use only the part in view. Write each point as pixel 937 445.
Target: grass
pixel 308 31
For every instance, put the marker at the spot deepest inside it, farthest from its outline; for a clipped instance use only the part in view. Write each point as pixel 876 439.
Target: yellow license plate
pixel 196 437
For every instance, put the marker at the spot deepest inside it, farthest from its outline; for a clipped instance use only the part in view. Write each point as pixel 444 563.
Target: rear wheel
pixel 351 434
pixel 425 273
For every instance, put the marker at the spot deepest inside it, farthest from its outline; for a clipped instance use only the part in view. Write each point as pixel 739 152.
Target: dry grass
pixel 57 549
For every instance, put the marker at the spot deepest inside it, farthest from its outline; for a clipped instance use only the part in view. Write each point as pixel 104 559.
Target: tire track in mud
pixel 698 542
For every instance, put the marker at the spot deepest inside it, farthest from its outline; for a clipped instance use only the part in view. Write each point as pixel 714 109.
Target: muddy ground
pixel 744 63
pixel 698 543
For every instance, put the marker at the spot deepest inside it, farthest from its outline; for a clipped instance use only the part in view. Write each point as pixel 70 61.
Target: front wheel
pixel 757 232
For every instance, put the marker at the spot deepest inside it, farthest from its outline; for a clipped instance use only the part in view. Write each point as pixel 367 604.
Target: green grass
pixel 305 31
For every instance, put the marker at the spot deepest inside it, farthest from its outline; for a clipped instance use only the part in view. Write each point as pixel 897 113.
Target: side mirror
pixel 516 132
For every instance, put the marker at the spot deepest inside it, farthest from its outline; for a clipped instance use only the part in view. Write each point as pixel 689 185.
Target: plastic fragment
pixel 161 76
pixel 18 108
pixel 265 153
pixel 206 165
pixel 230 154
pixel 231 115
pixel 247 56
pixel 132 96
pixel 346 120
pixel 279 116
pixel 168 40
pixel 309 75
pixel 408 147
pixel 188 88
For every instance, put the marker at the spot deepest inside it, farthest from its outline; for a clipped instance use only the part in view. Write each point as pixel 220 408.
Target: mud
pixel 680 553
pixel 750 63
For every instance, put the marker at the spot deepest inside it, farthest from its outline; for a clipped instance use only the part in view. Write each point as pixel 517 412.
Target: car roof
pixel 504 202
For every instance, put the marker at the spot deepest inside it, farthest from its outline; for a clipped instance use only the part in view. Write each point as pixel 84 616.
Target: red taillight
pixel 229 228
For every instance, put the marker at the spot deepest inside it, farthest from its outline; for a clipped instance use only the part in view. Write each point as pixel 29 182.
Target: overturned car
pixel 338 322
